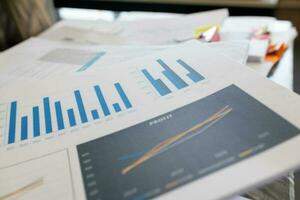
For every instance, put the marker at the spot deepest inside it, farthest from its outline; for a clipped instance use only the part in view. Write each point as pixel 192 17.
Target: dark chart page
pixel 161 154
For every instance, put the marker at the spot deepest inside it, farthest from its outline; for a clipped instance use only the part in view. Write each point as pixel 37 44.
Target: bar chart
pixel 171 76
pixel 53 115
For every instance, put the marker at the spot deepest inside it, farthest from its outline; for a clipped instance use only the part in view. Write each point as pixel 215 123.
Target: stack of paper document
pixel 243 27
pixel 37 59
pixel 179 28
pixel 120 111
pixel 153 32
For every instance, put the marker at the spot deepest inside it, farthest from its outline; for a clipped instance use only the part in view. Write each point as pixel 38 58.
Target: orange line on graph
pixel 171 184
pixel 24 189
pixel 156 149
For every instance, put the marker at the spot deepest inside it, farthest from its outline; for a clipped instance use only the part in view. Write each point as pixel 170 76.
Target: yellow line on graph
pixel 246 153
pixel 156 149
pixel 24 189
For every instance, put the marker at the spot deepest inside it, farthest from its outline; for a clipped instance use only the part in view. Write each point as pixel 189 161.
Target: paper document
pixel 152 31
pixel 176 122
pixel 37 59
pixel 170 31
pixel 242 28
pixel 258 50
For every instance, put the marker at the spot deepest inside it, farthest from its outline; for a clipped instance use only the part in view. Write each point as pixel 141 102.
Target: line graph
pixel 179 146
pixel 27 188
pixel 38 178
pixel 177 139
pixel 137 154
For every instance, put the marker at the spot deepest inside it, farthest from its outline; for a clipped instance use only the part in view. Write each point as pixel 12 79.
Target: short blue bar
pixel 80 106
pixel 172 76
pixel 59 116
pixel 123 95
pixel 47 112
pixel 160 87
pixel 12 122
pixel 117 107
pixel 101 100
pixel 95 114
pixel 24 128
pixel 71 117
pixel 193 74
pixel 36 121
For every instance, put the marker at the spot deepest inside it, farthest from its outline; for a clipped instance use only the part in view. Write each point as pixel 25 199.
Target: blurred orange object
pixel 275 52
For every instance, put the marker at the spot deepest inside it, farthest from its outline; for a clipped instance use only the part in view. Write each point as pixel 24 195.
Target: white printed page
pixel 162 126
pixel 148 31
pixel 38 59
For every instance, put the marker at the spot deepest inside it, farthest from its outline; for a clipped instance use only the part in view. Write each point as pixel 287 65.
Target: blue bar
pixel 59 116
pixel 117 107
pixel 36 121
pixel 48 122
pixel 80 106
pixel 172 76
pixel 12 122
pixel 71 117
pixel 101 100
pixel 91 62
pixel 193 74
pixel 95 114
pixel 161 88
pixel 24 128
pixel 123 95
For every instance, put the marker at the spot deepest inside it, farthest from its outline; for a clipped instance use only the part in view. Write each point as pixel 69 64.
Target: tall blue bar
pixel 59 116
pixel 123 95
pixel 117 107
pixel 24 128
pixel 172 76
pixel 161 88
pixel 71 117
pixel 80 106
pixel 47 112
pixel 95 114
pixel 36 121
pixel 101 100
pixel 193 74
pixel 12 122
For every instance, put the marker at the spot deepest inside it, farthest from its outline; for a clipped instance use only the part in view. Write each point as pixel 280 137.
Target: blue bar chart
pixel 52 116
pixel 171 76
